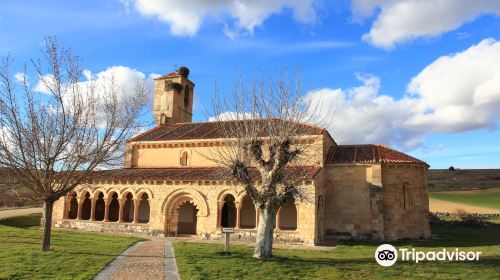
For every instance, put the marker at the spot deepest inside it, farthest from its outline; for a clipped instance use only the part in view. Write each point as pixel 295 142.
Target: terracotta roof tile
pixel 202 130
pixel 368 153
pixel 190 174
pixel 173 74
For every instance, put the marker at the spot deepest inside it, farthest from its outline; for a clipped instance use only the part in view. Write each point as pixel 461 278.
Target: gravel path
pixel 153 259
pixel 19 212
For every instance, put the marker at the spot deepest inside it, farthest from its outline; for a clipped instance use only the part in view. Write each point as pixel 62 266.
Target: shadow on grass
pixel 22 221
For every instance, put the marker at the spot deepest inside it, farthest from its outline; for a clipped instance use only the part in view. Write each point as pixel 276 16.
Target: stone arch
pixel 72 207
pixel 144 208
pixel 168 205
pixel 113 206
pixel 228 211
pixel 141 191
pixel 112 190
pixel 223 193
pixel 124 192
pixel 99 206
pixel 288 215
pixel 248 213
pixel 128 207
pixel 86 205
pixel 82 192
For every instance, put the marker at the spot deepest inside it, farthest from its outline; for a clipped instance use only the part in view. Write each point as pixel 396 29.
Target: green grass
pixel 73 255
pixel 484 198
pixel 345 261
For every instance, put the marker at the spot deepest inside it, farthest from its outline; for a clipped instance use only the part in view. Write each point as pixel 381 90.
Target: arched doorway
pixel 128 208
pixel 86 207
pixel 247 213
pixel 228 213
pixel 73 206
pixel 99 207
pixel 186 223
pixel 114 208
pixel 144 209
pixel 288 216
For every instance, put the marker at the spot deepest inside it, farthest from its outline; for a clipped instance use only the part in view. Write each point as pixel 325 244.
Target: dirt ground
pixel 436 205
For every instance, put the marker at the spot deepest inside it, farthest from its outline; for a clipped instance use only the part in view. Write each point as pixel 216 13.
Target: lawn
pixel 73 256
pixel 482 198
pixel 345 261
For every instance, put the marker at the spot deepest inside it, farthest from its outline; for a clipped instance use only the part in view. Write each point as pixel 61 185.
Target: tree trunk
pixel 47 226
pixel 265 230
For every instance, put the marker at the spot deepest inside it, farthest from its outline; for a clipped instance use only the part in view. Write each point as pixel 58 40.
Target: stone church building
pixel 167 187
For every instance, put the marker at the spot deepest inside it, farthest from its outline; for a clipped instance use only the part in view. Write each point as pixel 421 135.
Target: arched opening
pixel 144 209
pixel 184 158
pixel 320 218
pixel 288 216
pixel 187 220
pixel 128 209
pixel 247 213
pixel 86 207
pixel 114 208
pixel 73 206
pixel 228 213
pixel 100 207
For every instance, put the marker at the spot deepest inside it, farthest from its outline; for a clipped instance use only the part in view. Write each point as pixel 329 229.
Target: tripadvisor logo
pixel 387 255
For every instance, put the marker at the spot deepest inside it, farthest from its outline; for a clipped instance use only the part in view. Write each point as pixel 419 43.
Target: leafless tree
pixel 52 141
pixel 268 124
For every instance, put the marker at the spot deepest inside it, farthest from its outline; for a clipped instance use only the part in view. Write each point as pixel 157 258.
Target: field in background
pixel 462 179
pixel 471 190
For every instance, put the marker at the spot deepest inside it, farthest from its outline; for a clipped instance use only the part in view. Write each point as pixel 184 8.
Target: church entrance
pixel 186 223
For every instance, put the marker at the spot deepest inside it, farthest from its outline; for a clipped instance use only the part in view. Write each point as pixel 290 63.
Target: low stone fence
pixel 96 226
pixel 448 214
pixel 248 235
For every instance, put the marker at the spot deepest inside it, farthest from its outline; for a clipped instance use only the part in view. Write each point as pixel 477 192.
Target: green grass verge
pixel 73 255
pixel 484 198
pixel 345 261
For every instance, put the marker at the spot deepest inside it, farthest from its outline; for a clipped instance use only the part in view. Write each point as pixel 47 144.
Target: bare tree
pixel 267 124
pixel 52 142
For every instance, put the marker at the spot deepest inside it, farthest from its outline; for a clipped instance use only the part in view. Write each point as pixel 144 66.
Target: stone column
pixel 219 213
pixel 80 204
pixel 106 209
pixel 238 213
pixel 121 203
pixel 92 209
pixel 67 203
pixel 137 202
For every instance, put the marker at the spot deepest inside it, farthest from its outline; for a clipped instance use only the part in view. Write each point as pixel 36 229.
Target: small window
pixel 184 158
pixel 406 196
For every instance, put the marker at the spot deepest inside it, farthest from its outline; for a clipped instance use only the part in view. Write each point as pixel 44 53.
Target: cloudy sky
pixel 422 76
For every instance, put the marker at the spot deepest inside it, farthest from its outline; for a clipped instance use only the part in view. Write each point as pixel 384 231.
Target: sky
pixel 422 76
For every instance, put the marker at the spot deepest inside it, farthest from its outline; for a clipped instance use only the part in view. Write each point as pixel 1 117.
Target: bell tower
pixel 173 99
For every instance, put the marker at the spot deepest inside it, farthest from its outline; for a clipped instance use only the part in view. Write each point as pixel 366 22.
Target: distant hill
pixel 462 179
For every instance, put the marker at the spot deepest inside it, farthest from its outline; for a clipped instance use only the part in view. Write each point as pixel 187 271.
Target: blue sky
pixel 403 73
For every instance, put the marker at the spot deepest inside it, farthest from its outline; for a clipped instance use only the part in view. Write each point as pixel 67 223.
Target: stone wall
pixel 348 200
pixel 406 201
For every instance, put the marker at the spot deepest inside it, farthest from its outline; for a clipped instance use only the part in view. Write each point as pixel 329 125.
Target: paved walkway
pixel 153 259
pixel 19 212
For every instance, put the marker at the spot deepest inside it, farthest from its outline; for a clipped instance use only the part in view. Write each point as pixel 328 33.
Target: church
pixel 168 188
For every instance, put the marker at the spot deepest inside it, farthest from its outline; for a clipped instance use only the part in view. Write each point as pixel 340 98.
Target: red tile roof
pixel 368 153
pixel 205 130
pixel 173 74
pixel 190 174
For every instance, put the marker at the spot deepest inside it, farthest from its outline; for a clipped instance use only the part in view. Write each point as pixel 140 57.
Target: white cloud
pixel 185 17
pixel 455 93
pixel 230 116
pixel 124 78
pixel 404 20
